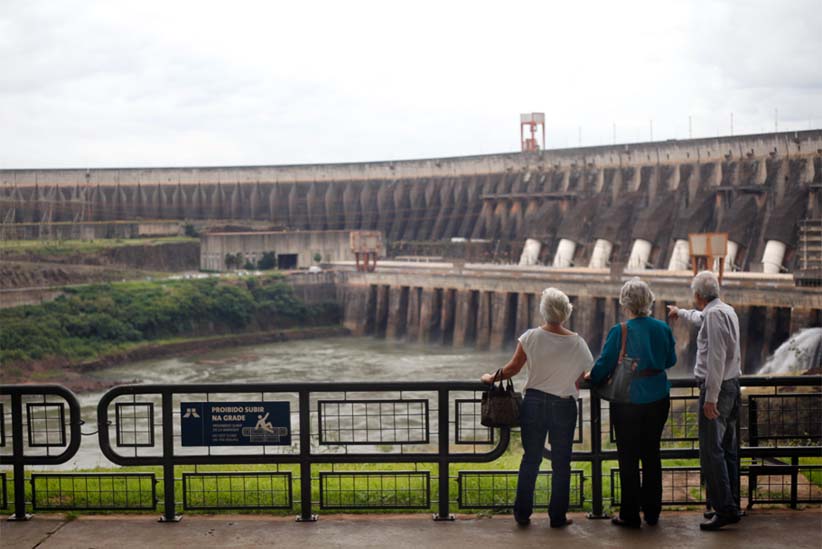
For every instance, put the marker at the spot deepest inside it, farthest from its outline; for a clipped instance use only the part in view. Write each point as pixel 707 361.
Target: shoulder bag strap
pixel 624 328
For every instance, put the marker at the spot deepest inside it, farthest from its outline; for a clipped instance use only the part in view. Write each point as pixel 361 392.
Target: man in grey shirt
pixel 717 371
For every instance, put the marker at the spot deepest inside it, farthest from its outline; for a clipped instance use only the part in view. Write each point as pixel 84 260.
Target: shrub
pixel 94 319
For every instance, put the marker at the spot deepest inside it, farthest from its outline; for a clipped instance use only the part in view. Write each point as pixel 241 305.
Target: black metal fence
pixel 325 449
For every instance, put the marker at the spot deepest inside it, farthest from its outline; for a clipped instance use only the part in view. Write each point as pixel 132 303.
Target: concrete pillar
pixel 355 309
pixel 676 175
pixel 640 253
pixel 501 312
pixel 565 253
pixel 484 320
pixel 680 257
pixel 660 312
pixel 465 319
pixel 413 320
pixel 397 312
pixel 601 254
pixel 762 172
pixel 381 319
pixel 449 303
pixel 600 180
pixel 636 179
pixel 610 314
pixel 523 314
pixel 585 318
pixel 773 256
pixel 530 252
pixel 430 313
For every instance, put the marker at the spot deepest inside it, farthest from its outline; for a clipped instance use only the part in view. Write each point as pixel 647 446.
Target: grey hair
pixel 554 306
pixel 637 297
pixel 706 285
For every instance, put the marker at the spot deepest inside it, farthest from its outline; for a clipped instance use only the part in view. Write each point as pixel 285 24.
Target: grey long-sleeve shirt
pixel 718 356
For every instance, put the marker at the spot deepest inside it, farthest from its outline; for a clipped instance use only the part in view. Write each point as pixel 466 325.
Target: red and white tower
pixel 533 121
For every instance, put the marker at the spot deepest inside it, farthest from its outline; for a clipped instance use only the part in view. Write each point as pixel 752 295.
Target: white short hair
pixel 555 306
pixel 637 297
pixel 706 284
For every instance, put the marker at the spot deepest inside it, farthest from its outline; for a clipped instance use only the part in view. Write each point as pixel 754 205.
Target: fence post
pixel 17 450
pixel 443 446
pixel 794 481
pixel 169 503
pixel 305 459
pixel 596 458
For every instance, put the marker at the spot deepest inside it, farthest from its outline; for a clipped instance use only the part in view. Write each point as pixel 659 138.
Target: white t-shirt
pixel 555 361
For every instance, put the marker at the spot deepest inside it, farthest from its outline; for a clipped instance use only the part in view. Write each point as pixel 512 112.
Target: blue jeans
pixel 544 414
pixel 719 449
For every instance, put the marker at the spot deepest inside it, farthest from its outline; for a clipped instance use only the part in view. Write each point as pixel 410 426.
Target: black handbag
pixel 500 404
pixel 617 388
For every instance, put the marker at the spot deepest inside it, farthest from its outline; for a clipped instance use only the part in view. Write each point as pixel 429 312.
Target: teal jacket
pixel 652 343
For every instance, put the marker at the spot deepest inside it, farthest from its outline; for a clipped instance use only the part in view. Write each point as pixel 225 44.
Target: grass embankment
pixel 97 320
pixel 64 247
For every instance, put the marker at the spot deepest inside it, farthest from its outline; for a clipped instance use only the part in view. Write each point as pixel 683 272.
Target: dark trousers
pixel 543 414
pixel 638 431
pixel 719 449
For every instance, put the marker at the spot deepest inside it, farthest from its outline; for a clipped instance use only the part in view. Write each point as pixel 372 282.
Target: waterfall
pixel 800 353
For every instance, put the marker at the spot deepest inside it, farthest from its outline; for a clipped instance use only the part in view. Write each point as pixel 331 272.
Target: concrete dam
pixel 582 219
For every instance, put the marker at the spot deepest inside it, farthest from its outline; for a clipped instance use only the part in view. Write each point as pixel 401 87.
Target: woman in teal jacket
pixel 639 424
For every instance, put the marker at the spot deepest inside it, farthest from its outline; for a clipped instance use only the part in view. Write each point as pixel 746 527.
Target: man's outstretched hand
pixel 673 312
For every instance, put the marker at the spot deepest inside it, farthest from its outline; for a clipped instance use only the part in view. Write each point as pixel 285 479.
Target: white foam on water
pixel 801 352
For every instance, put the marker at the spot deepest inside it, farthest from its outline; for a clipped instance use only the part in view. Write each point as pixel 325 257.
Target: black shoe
pixel 566 522
pixel 625 524
pixel 711 514
pixel 522 521
pixel 718 521
pixel 651 521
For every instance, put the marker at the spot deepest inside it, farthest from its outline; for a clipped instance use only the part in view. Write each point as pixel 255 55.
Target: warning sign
pixel 235 423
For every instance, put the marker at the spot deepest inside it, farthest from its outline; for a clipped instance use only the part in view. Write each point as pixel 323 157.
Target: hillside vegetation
pixel 92 320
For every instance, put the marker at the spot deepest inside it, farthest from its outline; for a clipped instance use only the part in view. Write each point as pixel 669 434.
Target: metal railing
pixel 328 425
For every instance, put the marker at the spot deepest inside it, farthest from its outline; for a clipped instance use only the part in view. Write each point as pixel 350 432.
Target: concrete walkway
pixel 762 528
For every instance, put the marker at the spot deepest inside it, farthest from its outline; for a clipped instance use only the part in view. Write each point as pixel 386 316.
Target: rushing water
pixel 318 360
pixel 800 353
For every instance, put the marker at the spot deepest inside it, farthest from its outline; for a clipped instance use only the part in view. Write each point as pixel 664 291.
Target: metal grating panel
pixel 218 491
pixel 498 489
pixel 344 422
pixel 375 490
pixel 788 418
pixel 682 424
pixel 4 493
pixel 93 492
pixel 467 428
pixel 46 424
pixel 775 484
pixel 135 424
pixel 680 486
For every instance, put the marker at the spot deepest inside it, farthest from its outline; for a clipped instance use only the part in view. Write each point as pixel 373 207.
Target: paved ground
pixel 762 528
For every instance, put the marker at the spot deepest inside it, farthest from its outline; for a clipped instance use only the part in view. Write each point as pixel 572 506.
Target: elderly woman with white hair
pixel 556 359
pixel 639 423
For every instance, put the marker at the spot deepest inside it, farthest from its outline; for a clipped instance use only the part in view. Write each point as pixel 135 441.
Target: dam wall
pixel 592 205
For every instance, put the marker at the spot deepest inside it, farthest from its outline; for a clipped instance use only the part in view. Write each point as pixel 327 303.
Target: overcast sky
pixel 104 83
